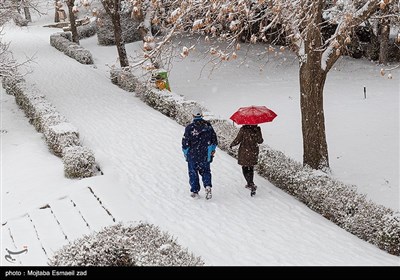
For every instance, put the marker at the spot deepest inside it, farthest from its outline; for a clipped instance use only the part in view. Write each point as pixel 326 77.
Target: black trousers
pixel 248 173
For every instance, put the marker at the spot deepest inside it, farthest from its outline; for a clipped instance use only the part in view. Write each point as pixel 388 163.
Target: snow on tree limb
pixel 348 21
pixel 256 21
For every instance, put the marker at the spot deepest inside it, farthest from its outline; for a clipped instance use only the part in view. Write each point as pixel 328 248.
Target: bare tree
pixel 26 6
pixel 7 64
pixel 113 9
pixel 317 56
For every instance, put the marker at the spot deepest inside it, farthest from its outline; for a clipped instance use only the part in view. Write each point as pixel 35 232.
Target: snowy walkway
pixel 139 151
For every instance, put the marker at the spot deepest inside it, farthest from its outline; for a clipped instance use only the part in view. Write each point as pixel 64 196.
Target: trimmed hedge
pixel 11 81
pixel 124 79
pixel 61 41
pixel 87 30
pixel 79 162
pixel 45 121
pixel 118 245
pixel 61 137
pixel 336 201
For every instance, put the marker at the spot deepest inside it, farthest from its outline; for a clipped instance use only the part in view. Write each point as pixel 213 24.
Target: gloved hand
pixel 211 152
pixel 185 153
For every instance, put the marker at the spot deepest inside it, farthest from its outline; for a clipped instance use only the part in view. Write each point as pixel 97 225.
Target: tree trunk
pixel 113 10
pixel 312 81
pixel 56 16
pixel 119 41
pixel 27 14
pixel 74 30
pixel 384 32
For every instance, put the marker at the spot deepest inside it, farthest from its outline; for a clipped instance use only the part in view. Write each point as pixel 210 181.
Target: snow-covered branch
pixel 322 28
pixel 341 36
pixel 7 9
pixel 8 65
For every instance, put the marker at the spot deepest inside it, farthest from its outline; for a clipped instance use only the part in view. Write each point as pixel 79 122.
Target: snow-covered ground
pixel 145 174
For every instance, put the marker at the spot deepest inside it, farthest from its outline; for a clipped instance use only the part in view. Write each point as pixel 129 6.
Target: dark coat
pixel 199 141
pixel 249 137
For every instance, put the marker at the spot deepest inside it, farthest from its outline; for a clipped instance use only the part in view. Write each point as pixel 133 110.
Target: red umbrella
pixel 253 115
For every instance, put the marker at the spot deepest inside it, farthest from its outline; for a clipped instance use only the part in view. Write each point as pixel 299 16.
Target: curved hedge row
pixel 336 201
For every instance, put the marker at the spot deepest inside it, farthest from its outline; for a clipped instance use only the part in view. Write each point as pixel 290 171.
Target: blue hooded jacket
pixel 199 141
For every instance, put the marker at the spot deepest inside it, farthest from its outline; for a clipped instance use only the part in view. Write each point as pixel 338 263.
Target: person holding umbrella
pixel 249 137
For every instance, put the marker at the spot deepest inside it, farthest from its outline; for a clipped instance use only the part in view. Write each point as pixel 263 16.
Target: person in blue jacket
pixel 198 145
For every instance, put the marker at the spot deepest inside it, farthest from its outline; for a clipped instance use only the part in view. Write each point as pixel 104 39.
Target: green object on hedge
pixel 163 76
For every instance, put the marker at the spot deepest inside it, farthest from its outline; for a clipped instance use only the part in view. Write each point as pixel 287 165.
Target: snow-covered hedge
pixel 118 245
pixel 61 42
pixel 79 162
pixel 87 30
pixel 333 199
pixel 124 79
pixel 46 120
pixel 33 103
pixel 61 137
pixel 173 106
pixel 11 83
pixel 336 201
